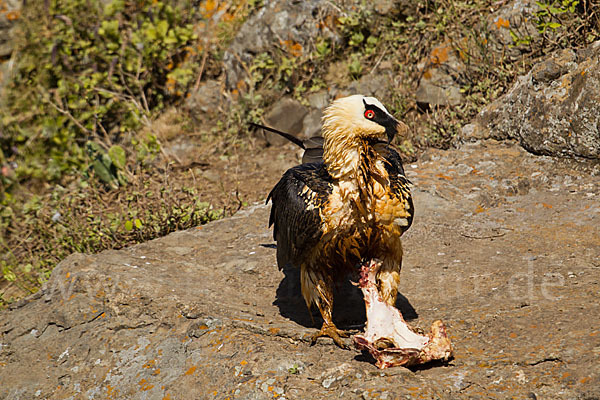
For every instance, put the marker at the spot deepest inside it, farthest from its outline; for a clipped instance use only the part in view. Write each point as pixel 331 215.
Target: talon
pixel 334 333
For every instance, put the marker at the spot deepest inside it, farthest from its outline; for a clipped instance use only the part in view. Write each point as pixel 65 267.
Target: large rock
pixel 378 84
pixel 289 24
pixel 311 124
pixel 511 30
pixel 10 12
pixel 208 102
pixel 286 115
pixel 441 77
pixel 553 110
pixel 504 250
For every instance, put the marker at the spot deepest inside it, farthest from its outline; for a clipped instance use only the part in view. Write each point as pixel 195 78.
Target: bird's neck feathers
pixel 349 158
pixel 341 156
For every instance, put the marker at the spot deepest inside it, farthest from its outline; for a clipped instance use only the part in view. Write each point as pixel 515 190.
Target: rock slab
pixel 504 249
pixel 288 24
pixel 554 109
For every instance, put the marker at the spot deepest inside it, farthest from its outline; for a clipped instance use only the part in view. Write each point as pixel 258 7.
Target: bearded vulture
pixel 352 205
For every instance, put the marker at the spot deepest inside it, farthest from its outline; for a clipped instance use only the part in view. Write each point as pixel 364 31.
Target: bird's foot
pixel 330 330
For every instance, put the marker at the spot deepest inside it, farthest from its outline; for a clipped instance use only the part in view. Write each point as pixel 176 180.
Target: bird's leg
pixel 388 277
pixel 318 288
pixel 329 329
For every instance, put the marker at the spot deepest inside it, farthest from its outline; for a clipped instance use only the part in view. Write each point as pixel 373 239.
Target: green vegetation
pixel 548 16
pixel 84 217
pixel 77 174
pixel 91 73
pixel 82 167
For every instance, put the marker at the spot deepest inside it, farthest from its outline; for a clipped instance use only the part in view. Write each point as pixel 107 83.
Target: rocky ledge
pixel 504 249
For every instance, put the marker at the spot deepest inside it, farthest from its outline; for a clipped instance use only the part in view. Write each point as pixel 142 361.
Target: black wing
pixel 297 199
pixel 399 182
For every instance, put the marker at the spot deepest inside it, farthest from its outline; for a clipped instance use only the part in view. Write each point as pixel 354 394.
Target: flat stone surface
pixel 504 249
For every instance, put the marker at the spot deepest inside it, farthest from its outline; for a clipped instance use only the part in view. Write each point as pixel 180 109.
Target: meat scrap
pixel 389 339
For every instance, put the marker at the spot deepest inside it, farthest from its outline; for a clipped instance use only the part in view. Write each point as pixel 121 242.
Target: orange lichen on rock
pixel 12 15
pixel 502 23
pixel 295 49
pixel 446 177
pixel 440 54
pixel 191 370
pixel 145 385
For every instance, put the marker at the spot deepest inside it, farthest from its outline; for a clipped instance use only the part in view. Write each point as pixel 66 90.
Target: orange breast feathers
pixel 391 210
pixel 366 208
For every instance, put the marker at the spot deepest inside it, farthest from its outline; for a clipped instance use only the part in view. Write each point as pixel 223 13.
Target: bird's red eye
pixel 369 114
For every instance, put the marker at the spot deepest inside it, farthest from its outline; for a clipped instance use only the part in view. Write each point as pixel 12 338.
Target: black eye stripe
pixel 380 115
pixel 382 118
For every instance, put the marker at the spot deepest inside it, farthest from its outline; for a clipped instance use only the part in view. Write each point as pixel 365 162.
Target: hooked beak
pixel 394 128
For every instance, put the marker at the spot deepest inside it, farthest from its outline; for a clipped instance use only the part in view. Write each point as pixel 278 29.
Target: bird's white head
pixel 351 122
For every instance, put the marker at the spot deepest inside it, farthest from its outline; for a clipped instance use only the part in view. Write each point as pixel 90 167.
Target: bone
pixel 388 338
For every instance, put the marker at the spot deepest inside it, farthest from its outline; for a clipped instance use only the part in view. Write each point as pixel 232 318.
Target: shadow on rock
pixel 431 364
pixel 348 309
pixel 364 356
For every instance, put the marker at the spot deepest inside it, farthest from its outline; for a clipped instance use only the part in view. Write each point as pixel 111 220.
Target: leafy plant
pixel 355 67
pixel 109 165
pixel 294 369
pixel 520 40
pixel 355 27
pixel 91 73
pixel 547 13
